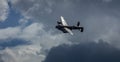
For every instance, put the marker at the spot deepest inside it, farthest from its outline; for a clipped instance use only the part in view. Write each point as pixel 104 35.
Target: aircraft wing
pixel 63 21
pixel 68 30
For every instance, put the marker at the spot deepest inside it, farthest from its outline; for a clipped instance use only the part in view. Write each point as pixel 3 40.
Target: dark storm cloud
pixel 1 60
pixel 86 52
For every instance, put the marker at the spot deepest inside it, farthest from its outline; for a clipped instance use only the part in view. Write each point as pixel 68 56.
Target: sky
pixel 28 33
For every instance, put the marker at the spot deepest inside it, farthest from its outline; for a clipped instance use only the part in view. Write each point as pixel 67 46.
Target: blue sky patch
pixel 13 43
pixel 12 20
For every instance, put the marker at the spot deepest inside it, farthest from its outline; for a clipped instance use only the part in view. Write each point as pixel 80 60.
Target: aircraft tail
pixel 78 23
pixel 81 28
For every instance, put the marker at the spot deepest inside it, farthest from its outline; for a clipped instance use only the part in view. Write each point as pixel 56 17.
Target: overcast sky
pixel 27 27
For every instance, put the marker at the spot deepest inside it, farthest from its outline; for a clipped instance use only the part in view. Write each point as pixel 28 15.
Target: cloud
pixel 39 41
pixel 84 52
pixel 9 32
pixel 100 20
pixel 4 10
pixel 22 54
pixel 12 43
pixel 107 1
pixel 42 10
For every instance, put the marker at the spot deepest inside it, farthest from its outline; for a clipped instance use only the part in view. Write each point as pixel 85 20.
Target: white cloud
pixel 9 32
pixel 37 9
pixel 41 40
pixel 35 33
pixel 29 7
pixel 4 10
pixel 22 54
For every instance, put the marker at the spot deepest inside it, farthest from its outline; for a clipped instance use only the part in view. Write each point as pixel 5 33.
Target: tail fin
pixel 78 23
pixel 82 29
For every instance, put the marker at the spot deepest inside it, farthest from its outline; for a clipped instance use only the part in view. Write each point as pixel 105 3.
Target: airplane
pixel 65 28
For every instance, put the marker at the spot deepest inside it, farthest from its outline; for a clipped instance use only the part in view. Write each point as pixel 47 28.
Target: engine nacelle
pixel 59 22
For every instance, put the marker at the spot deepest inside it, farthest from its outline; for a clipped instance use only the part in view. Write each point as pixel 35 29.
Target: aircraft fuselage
pixel 65 28
pixel 60 27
